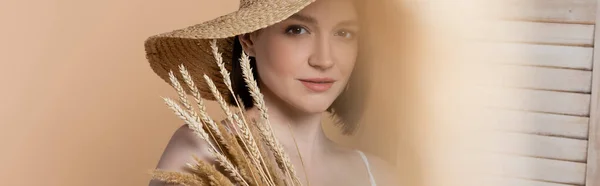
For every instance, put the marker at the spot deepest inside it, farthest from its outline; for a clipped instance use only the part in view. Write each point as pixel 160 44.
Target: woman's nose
pixel 322 56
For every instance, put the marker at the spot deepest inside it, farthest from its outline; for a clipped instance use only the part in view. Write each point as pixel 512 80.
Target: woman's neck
pixel 289 124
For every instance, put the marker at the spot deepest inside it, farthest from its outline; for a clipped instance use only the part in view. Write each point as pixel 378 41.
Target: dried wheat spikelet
pixel 246 151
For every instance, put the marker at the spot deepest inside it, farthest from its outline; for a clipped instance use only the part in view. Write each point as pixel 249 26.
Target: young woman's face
pixel 306 60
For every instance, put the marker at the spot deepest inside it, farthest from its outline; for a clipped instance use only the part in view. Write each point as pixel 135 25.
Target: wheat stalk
pixel 248 142
pixel 210 173
pixel 194 119
pixel 233 118
pixel 178 178
pixel 266 130
pixel 211 126
pixel 234 172
pixel 188 119
pixel 236 153
pixel 197 127
pixel 239 166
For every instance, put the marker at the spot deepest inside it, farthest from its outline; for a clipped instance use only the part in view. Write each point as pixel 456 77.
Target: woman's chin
pixel 314 106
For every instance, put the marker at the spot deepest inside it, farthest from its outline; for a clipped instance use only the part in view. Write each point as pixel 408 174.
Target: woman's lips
pixel 318 84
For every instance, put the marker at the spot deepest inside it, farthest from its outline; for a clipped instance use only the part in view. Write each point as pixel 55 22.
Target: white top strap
pixel 364 158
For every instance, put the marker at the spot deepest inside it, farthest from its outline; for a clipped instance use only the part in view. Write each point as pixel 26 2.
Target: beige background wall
pixel 79 105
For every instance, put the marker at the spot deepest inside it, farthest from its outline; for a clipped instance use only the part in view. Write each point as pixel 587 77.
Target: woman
pixel 306 56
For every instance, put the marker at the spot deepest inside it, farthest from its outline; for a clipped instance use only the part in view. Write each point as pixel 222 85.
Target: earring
pixel 248 53
pixel 244 49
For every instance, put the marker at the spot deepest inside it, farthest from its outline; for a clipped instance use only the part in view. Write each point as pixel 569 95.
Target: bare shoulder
pixel 183 144
pixel 384 172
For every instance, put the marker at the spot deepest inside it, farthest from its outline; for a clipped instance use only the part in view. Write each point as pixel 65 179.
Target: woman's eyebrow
pixel 304 18
pixel 349 23
pixel 312 20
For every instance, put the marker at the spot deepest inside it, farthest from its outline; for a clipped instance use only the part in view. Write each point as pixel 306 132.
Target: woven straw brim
pixel 191 46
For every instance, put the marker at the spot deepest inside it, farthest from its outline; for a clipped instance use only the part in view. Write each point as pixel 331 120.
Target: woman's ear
pixel 247 42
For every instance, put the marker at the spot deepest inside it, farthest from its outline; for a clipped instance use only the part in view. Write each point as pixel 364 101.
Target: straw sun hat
pixel 190 46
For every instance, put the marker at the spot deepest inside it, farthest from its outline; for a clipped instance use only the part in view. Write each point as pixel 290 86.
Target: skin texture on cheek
pixel 281 62
pixel 283 59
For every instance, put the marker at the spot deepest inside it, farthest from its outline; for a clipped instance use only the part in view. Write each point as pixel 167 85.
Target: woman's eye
pixel 296 30
pixel 345 34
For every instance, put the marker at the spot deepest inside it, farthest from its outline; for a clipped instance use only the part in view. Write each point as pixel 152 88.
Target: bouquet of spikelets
pixel 246 154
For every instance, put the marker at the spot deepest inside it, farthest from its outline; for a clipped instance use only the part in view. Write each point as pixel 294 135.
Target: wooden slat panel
pixel 572 57
pixel 507 181
pixel 593 168
pixel 538 169
pixel 539 146
pixel 541 78
pixel 533 32
pixel 538 100
pixel 537 123
pixel 563 11
pixel 569 11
